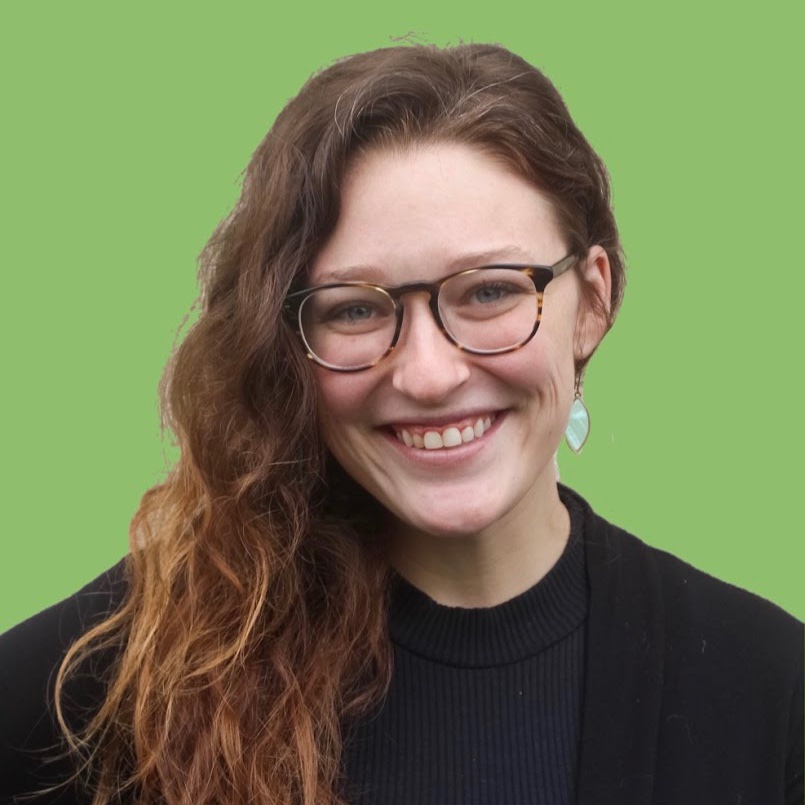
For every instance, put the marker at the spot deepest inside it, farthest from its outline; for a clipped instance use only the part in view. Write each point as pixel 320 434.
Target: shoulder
pixel 634 571
pixel 43 638
pixel 726 650
pixel 733 656
pixel 695 600
pixel 717 669
pixel 30 655
pixel 712 635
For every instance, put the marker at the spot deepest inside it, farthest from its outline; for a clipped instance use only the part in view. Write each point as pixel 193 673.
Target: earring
pixel 578 425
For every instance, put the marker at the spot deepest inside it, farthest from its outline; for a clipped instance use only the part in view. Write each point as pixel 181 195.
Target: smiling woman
pixel 362 582
pixel 453 205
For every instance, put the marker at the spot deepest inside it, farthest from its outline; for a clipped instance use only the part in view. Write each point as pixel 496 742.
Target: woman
pixel 362 582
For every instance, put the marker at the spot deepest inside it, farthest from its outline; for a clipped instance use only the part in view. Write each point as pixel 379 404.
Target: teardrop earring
pixel 578 425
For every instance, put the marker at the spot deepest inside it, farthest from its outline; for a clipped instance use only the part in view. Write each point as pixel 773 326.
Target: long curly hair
pixel 254 626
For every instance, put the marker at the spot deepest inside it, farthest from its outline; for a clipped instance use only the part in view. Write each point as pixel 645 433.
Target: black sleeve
pixel 31 748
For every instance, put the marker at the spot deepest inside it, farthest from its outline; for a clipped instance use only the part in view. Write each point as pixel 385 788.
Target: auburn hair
pixel 253 627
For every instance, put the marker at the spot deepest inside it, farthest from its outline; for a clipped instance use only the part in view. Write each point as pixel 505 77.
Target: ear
pixel 592 320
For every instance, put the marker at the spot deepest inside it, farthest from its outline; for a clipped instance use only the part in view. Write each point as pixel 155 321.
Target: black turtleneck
pixel 485 704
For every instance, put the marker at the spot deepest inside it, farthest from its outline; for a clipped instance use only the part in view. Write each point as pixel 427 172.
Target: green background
pixel 124 133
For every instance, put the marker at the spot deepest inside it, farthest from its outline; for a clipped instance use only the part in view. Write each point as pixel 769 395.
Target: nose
pixel 426 366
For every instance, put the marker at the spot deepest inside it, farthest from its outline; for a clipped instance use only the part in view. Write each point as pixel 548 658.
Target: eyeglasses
pixel 350 326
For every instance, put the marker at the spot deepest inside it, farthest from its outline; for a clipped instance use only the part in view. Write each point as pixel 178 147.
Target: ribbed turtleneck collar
pixel 509 632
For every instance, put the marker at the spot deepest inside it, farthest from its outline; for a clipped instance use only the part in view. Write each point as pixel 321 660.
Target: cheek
pixel 340 395
pixel 343 403
pixel 542 370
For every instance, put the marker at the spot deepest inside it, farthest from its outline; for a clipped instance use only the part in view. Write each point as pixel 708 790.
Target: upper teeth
pixel 451 436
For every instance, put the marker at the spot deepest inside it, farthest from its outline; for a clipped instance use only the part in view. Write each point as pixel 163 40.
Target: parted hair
pixel 254 624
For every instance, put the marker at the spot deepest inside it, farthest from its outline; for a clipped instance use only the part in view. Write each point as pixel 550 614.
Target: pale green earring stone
pixel 578 426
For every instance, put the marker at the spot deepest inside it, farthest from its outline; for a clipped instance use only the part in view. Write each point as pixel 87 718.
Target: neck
pixel 486 568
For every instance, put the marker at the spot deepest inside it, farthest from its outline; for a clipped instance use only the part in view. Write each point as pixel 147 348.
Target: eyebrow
pixel 373 273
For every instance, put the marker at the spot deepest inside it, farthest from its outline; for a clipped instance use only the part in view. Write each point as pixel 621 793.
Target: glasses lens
pixel 348 326
pixel 490 309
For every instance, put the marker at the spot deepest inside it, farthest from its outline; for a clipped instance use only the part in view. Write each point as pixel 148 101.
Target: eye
pixel 487 294
pixel 355 312
pixel 342 310
pixel 491 292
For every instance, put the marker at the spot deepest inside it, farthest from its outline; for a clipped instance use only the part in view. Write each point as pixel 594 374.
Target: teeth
pixel 449 437
pixel 433 441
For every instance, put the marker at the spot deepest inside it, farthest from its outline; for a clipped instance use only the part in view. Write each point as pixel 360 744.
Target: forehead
pixel 430 210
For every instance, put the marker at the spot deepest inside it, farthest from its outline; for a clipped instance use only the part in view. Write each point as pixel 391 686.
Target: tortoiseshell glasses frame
pixel 540 275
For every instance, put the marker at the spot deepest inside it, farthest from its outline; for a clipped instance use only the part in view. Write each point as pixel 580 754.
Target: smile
pixel 439 438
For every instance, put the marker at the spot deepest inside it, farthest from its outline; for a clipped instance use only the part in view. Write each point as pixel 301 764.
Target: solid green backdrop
pixel 125 132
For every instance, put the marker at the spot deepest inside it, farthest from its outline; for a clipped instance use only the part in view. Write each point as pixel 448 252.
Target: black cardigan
pixel 693 687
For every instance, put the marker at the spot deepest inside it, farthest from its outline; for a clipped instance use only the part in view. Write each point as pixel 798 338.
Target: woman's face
pixel 420 215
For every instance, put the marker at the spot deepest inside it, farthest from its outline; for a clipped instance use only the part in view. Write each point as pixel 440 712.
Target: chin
pixel 451 519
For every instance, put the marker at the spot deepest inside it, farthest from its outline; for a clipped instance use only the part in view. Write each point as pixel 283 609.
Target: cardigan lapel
pixel 624 673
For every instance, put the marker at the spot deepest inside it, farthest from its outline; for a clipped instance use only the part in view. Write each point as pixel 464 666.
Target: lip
pixel 449 455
